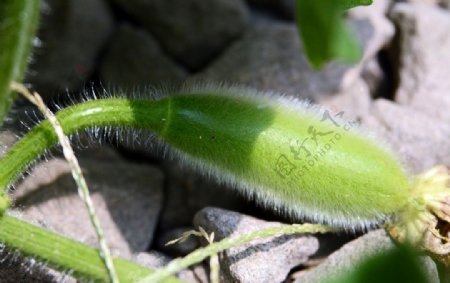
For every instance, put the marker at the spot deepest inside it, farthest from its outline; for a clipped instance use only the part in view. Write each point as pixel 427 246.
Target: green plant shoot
pixel 279 151
pixel 18 24
pixel 291 156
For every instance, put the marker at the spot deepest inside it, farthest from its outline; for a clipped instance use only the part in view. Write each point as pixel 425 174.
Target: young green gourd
pixel 290 155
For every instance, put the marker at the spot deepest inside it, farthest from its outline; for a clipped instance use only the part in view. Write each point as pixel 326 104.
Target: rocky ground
pixel 400 90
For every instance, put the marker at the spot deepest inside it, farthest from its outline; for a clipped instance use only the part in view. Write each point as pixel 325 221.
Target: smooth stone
pixel 178 248
pixel 262 260
pixel 270 57
pixel 186 192
pixel 135 60
pixel 418 140
pixel 194 274
pixel 192 31
pixel 71 37
pixel 127 198
pixel 373 243
pixel 424 41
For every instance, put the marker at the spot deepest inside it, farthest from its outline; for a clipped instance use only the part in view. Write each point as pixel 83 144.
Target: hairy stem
pixel 66 255
pixel 18 24
pixel 110 112
pixel 282 152
pixel 77 175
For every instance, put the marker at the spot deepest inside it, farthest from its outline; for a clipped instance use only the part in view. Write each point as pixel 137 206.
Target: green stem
pixel 18 24
pixel 108 112
pixel 199 255
pixel 254 143
pixel 64 254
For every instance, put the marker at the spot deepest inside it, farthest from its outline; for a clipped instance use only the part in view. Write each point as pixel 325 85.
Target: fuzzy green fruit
pixel 288 157
pixel 293 157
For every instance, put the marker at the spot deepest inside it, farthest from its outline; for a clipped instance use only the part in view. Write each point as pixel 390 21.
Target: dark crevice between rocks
pixel 388 59
pixel 388 85
pixel 135 155
pixel 159 229
pixel 389 64
pixel 120 16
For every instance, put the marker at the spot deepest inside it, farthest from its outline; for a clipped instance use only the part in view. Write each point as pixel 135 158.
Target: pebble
pixel 72 35
pixel 135 60
pixel 418 140
pixel 424 58
pixel 372 244
pixel 270 57
pixel 126 196
pixel 263 260
pixel 192 31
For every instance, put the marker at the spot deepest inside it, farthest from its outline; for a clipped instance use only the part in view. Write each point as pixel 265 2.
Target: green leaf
pixel 348 4
pixel 18 24
pixel 398 265
pixel 324 33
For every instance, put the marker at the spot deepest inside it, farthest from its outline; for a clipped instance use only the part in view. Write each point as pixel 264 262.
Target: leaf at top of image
pixel 18 24
pixel 324 33
pixel 348 4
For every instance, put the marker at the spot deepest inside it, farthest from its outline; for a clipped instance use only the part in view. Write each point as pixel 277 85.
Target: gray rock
pixel 21 118
pixel 41 175
pixel 72 35
pixel 7 138
pixel 95 151
pixel 134 59
pixel 179 248
pixel 152 259
pixel 445 4
pixel 380 31
pixel 187 192
pixel 377 79
pixel 355 101
pixel 419 140
pixel 263 260
pixel 47 173
pixel 127 198
pixel 344 260
pixel 270 57
pixel 424 58
pixel 376 34
pixel 193 31
pixel 195 274
pixel 427 2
